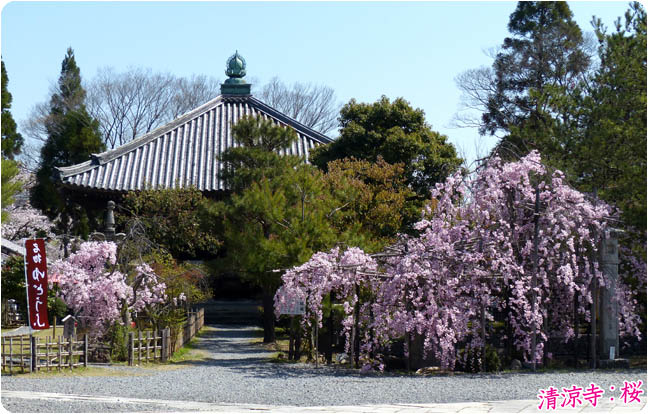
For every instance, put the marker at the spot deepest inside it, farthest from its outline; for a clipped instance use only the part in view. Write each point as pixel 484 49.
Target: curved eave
pixel 109 155
pixel 293 123
pixel 184 152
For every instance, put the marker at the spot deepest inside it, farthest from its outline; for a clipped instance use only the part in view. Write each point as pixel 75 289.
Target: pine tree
pixel 544 56
pixel 277 214
pixel 10 186
pixel 611 156
pixel 12 141
pixel 72 136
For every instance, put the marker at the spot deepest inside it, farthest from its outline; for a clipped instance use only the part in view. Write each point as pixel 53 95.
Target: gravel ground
pixel 237 371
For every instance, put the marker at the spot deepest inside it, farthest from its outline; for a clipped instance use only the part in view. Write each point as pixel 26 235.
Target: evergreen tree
pixel 12 141
pixel 373 199
pixel 257 156
pixel 172 218
pixel 611 154
pixel 277 214
pixel 397 133
pixel 10 186
pixel 72 136
pixel 545 56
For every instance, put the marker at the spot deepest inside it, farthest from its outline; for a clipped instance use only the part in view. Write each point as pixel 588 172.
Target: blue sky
pixel 361 49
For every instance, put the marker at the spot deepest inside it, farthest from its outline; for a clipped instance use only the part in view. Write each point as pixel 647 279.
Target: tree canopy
pixel 396 132
pixel 374 203
pixel 610 155
pixel 276 214
pixel 173 219
pixel 11 145
pixel 12 141
pixel 546 91
pixel 10 186
pixel 73 135
pixel 473 263
pixel 545 54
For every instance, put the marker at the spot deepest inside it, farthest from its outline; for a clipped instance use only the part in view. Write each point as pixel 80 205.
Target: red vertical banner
pixel 36 282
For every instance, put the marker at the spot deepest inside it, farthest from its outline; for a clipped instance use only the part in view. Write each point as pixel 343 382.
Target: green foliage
pixel 117 336
pixel 173 219
pixel 13 282
pixel 56 308
pixel 545 55
pixel 277 214
pixel 275 217
pixel 258 156
pixel 10 186
pixel 181 280
pixel 72 136
pixel 397 133
pixel 12 141
pixel 470 360
pixel 13 287
pixel 611 155
pixel 590 122
pixel 375 201
pixel 180 277
pixel 277 223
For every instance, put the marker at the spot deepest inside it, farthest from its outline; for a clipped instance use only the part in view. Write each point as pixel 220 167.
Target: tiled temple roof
pixel 184 152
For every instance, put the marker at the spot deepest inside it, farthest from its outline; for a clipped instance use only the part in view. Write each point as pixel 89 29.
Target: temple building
pixel 185 152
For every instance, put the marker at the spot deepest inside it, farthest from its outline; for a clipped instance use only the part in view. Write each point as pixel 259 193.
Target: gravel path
pixel 237 371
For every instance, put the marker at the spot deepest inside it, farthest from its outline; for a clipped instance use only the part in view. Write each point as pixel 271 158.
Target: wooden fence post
pixel 71 352
pixel 169 345
pixel 22 355
pixel 47 357
pixel 10 354
pixel 60 354
pixel 148 342
pixel 85 350
pixel 164 342
pixel 139 347
pixel 131 344
pixel 34 353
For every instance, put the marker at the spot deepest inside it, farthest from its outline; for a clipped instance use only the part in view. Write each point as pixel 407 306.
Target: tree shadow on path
pixel 238 348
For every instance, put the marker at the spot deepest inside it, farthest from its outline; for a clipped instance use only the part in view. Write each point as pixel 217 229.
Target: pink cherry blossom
pixel 474 251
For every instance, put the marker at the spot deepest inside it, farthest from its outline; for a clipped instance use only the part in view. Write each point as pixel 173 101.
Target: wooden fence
pixel 16 353
pixel 195 322
pixel 152 346
pixel 28 353
pixel 148 346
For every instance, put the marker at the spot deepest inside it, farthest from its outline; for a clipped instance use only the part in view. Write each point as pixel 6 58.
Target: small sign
pixel 612 352
pixel 295 307
pixel 36 283
pixel 69 324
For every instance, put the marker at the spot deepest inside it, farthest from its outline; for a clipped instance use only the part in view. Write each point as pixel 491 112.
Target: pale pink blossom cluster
pixel 25 222
pixel 96 292
pixel 150 290
pixel 474 254
pixel 179 299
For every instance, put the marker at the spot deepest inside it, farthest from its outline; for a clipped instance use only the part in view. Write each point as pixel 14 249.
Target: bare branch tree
pixel 135 102
pixel 312 105
pixel 476 86
pixel 192 92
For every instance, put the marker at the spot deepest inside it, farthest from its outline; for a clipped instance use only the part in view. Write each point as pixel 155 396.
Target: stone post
pixel 109 229
pixel 608 306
